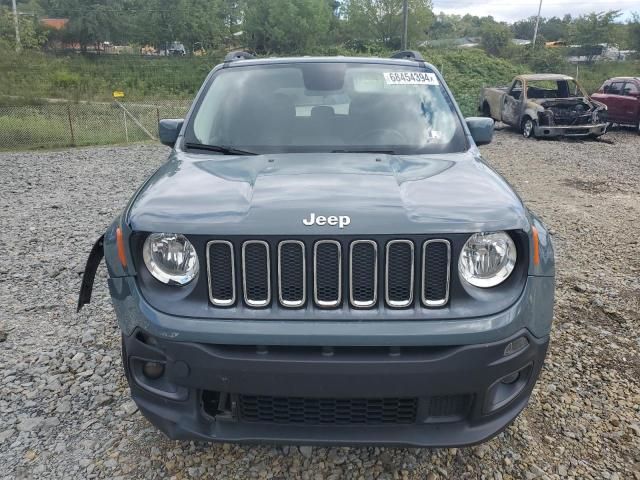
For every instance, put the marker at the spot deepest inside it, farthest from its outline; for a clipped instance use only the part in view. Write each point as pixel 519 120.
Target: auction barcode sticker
pixel 410 78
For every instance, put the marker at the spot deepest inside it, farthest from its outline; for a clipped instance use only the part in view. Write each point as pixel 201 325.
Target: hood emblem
pixel 340 220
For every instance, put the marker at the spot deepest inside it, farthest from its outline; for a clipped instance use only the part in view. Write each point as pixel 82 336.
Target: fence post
pixel 158 119
pixel 135 120
pixel 73 140
pixel 126 131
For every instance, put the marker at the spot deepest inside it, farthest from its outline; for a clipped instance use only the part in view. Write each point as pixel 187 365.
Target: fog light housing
pixel 504 390
pixel 509 379
pixel 153 370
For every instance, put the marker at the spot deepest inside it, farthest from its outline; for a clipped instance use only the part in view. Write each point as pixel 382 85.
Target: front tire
pixel 528 128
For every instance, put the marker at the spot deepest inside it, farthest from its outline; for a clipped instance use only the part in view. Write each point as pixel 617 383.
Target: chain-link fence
pixel 62 124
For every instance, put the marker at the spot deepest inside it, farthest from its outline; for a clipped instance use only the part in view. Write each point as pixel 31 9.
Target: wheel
pixel 486 110
pixel 638 127
pixel 528 126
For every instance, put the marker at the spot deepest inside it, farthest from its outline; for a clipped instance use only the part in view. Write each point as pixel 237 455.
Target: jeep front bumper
pixel 431 397
pixel 427 384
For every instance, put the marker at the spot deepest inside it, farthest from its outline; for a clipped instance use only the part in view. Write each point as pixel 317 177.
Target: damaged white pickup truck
pixel 545 105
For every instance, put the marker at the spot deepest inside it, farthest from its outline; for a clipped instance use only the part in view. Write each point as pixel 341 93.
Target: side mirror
pixel 481 129
pixel 169 129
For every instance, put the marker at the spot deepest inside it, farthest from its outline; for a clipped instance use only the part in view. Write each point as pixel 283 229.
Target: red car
pixel 622 97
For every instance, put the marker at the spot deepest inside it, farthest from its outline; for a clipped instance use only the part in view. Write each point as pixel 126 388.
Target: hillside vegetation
pixel 34 76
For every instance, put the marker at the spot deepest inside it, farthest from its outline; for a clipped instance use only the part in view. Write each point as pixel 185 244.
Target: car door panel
pixel 512 104
pixel 630 103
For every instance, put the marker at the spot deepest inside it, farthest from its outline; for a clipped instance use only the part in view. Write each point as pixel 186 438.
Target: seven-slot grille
pixel 317 267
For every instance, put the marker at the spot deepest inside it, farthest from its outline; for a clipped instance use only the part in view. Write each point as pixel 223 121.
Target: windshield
pixel 537 89
pixel 327 107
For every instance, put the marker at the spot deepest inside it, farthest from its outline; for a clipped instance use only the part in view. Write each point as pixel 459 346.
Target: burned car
pixel 325 258
pixel 545 105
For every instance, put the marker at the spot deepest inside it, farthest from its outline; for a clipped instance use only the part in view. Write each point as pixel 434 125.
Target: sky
pixel 510 11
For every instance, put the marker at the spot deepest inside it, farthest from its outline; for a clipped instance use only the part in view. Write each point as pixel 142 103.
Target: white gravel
pixel 64 404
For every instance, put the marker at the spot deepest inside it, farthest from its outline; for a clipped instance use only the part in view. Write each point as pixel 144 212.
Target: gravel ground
pixel 64 404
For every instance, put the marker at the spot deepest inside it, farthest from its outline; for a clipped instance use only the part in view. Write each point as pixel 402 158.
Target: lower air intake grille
pixel 448 406
pixel 323 411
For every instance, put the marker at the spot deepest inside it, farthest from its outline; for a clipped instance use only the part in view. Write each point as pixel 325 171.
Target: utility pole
pixel 535 32
pixel 15 20
pixel 405 22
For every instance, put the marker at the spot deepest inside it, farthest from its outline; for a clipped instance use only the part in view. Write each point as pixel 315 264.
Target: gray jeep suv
pixel 325 258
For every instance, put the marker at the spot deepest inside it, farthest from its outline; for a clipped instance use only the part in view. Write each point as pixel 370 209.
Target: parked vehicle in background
pixel 545 105
pixel 174 49
pixel 148 50
pixel 621 95
pixel 199 50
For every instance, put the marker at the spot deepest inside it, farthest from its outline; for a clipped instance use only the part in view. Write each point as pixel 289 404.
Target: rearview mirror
pixel 169 129
pixel 481 129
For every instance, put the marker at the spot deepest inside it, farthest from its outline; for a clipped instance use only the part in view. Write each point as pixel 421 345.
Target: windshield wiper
pixel 218 148
pixel 363 150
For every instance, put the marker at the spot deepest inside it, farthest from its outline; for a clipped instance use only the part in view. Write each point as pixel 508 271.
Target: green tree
pixel 381 20
pixel 552 29
pixel 286 26
pixel 31 34
pixel 496 39
pixel 633 27
pixel 231 12
pixel 445 27
pixel 89 23
pixel 595 28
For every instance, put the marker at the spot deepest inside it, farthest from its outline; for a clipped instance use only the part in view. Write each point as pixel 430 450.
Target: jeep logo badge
pixel 333 220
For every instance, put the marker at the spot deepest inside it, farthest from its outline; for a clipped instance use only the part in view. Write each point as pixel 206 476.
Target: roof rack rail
pixel 408 55
pixel 238 55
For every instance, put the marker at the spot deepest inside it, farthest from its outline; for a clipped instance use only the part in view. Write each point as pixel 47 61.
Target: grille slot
pixel 327 273
pixel 327 411
pixel 292 276
pixel 256 273
pixel 399 269
pixel 363 273
pixel 436 271
pixel 221 273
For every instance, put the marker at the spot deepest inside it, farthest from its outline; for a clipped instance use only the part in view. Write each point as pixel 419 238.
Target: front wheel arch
pixel 486 109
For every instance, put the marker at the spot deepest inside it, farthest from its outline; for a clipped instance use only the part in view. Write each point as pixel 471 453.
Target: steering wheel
pixel 379 132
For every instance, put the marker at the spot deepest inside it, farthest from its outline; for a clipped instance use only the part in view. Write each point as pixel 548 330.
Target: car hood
pixel 272 194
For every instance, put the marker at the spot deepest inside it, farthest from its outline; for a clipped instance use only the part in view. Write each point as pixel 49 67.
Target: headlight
pixel 170 258
pixel 487 259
